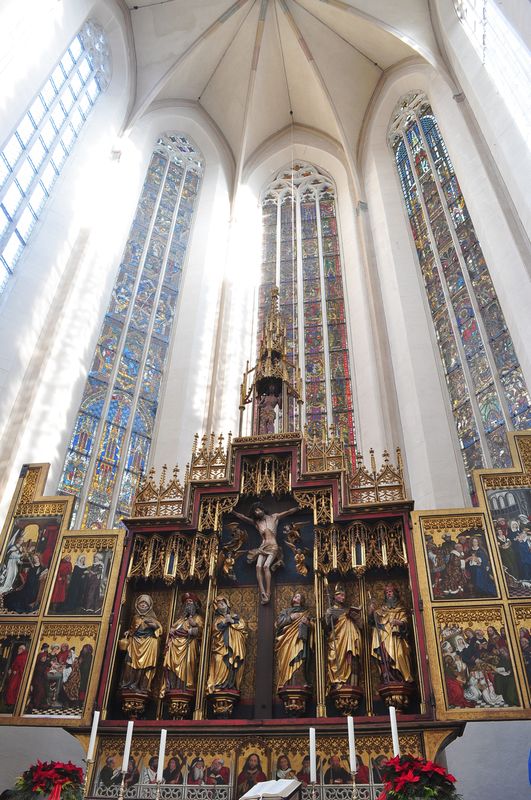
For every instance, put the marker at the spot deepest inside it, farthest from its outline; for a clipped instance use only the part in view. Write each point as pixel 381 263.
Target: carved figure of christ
pixel 266 525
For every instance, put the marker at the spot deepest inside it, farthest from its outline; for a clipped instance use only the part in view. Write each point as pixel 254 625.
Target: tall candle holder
pixel 313 790
pixel 88 768
pixel 354 787
pixel 121 792
pixel 157 789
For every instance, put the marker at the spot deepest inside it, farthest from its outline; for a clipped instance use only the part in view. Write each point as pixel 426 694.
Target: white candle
pixel 162 751
pixel 351 744
pixel 93 732
pixel 127 748
pixel 313 757
pixel 394 731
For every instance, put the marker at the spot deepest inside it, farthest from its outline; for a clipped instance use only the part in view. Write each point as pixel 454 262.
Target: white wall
pixel 508 146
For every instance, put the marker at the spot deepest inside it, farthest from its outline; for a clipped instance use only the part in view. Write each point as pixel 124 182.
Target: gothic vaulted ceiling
pixel 250 63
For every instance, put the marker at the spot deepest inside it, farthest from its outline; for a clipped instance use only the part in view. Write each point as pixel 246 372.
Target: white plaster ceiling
pixel 249 63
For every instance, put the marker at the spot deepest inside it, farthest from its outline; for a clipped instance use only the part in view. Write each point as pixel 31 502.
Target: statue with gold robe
pixel 344 641
pixel 294 643
pixel 181 655
pixel 228 647
pixel 141 642
pixel 389 638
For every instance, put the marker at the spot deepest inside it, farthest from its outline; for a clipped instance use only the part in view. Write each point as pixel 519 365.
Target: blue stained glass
pixel 165 312
pixel 93 397
pixel 138 453
pixel 516 391
pixel 157 354
pixel 151 383
pixel 83 436
pixel 127 373
pixel 144 420
pixel 119 409
pixel 111 443
pixel 121 294
pixel 134 345
pixel 157 205
pixel 74 472
pixel 494 320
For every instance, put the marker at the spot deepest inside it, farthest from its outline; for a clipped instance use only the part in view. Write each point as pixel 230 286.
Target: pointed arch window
pixel 486 388
pixel 302 256
pixel 113 432
pixel 34 155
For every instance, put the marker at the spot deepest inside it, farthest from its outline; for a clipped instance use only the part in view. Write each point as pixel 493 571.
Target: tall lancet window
pixel 34 155
pixel 302 256
pixel 486 388
pixel 110 445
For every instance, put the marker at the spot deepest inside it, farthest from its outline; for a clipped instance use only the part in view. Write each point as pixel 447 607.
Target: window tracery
pixel 35 153
pixel 110 444
pixel 486 388
pixel 301 254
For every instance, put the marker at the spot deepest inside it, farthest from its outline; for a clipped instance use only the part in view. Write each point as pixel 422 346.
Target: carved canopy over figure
pixel 389 642
pixel 267 556
pixel 142 646
pixel 293 643
pixel 181 655
pixel 227 655
pixel 344 641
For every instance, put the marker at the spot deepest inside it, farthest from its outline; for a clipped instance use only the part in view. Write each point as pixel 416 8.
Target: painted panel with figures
pixel 476 659
pixel 28 552
pixel 82 575
pixel 510 509
pixel 238 763
pixel 15 648
pixel 62 670
pixel 457 555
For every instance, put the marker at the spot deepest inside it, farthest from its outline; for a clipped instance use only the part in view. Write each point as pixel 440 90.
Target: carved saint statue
pixel 294 643
pixel 344 641
pixel 181 656
pixel 142 645
pixel 267 404
pixel 389 637
pixel 227 654
pixel 268 555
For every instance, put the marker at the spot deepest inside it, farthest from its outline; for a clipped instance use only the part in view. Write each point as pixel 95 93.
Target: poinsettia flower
pixel 405 778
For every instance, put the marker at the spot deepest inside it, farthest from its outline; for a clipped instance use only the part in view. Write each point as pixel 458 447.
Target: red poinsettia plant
pixel 410 777
pixel 53 778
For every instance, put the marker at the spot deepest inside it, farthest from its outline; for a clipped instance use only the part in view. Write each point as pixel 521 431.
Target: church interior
pixel 265 393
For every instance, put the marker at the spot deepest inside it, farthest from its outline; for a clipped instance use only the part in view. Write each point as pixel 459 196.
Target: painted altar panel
pixel 457 557
pixel 64 672
pixel 522 624
pixel 16 641
pixel 25 565
pixel 510 509
pixel 239 761
pixel 84 574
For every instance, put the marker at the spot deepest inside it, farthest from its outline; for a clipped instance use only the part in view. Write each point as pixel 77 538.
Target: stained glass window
pixel 301 255
pixel 34 155
pixel 109 448
pixel 486 388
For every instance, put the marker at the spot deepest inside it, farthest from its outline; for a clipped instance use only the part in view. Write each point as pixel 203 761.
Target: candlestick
pixel 313 757
pixel 127 748
pixel 351 744
pixel 84 790
pixel 162 750
pixel 93 732
pixel 394 731
pixel 354 788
